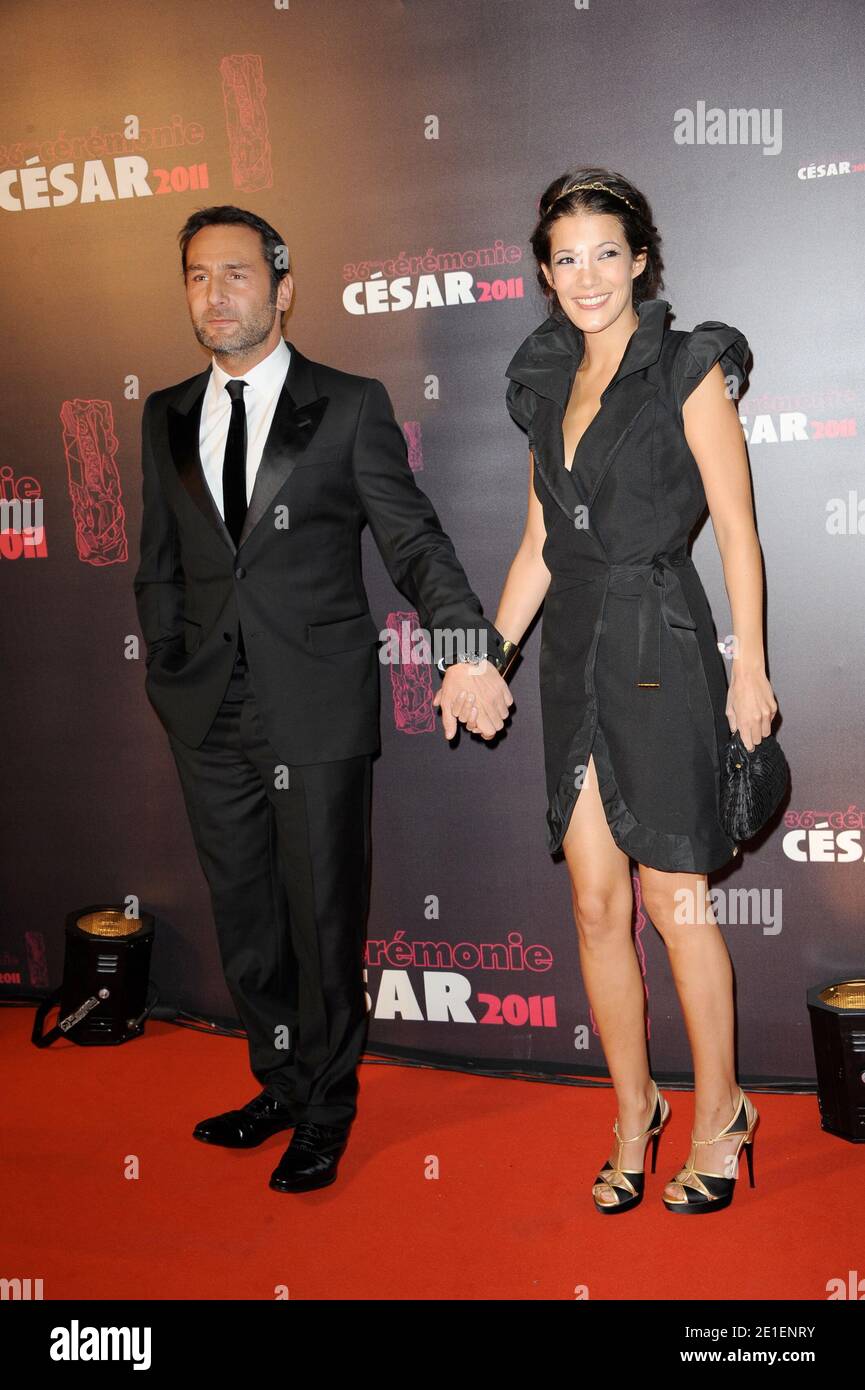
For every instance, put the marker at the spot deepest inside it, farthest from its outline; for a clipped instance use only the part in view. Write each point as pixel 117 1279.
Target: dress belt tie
pixel 661 598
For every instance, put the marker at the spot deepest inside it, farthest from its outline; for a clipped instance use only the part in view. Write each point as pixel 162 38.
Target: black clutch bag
pixel 752 785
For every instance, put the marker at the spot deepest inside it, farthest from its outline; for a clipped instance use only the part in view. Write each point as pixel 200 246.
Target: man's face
pixel 229 293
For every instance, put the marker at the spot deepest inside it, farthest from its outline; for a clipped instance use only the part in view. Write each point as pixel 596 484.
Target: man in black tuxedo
pixel 262 663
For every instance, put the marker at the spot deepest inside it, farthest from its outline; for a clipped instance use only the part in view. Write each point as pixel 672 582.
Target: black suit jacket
pixel 335 458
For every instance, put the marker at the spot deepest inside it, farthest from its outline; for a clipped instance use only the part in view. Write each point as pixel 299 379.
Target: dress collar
pixel 547 359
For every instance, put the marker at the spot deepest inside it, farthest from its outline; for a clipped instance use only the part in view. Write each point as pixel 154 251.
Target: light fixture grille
pixel 847 994
pixel 108 922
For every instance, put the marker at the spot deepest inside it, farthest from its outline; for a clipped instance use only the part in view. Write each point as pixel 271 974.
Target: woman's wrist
pixel 749 666
pixel 749 655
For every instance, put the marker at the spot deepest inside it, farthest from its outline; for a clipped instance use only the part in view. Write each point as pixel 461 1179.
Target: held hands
pixel 475 694
pixel 751 706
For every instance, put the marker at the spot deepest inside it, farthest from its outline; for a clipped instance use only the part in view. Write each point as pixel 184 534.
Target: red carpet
pixel 509 1216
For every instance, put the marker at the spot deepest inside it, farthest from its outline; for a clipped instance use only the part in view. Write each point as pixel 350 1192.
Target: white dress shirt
pixel 264 383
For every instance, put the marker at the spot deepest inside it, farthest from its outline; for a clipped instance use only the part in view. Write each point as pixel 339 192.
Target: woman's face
pixel 591 269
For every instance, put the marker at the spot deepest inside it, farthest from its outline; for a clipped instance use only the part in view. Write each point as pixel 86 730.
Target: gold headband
pixel 602 186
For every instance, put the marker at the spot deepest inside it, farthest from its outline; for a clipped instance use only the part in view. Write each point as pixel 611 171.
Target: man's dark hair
pixel 272 244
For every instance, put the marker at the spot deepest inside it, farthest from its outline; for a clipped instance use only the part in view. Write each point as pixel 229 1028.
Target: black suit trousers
pixel 285 850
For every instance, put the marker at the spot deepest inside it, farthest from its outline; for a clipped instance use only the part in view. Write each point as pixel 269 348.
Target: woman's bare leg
pixel 603 903
pixel 679 908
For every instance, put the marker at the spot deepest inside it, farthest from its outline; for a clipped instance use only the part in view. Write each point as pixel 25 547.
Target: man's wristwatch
pixel 502 661
pixel 473 658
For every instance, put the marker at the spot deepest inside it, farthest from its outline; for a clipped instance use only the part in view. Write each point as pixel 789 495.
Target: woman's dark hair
pixel 272 243
pixel 636 220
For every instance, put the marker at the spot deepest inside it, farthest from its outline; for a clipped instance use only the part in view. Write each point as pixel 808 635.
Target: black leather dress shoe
pixel 251 1125
pixel 311 1159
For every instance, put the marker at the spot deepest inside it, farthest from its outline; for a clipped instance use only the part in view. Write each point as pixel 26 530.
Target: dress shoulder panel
pixel 699 350
pixel 521 402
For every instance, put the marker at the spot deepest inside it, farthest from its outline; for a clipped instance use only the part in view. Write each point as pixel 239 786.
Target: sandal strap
pixel 714 1185
pixel 619 1179
pixel 653 1123
pixel 711 1185
pixel 699 1196
pixel 728 1131
pixel 624 1186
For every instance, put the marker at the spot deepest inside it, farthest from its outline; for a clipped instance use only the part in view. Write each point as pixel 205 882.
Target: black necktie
pixel 234 463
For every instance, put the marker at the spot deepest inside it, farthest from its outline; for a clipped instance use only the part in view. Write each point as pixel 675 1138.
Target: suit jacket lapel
pixel 184 420
pixel 298 414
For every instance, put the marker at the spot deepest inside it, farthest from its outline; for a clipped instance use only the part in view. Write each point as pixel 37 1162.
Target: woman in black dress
pixel 632 432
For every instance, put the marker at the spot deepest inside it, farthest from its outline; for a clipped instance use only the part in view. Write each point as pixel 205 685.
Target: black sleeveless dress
pixel 630 670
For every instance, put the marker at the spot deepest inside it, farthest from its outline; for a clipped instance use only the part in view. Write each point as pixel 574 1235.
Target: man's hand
pixel 475 694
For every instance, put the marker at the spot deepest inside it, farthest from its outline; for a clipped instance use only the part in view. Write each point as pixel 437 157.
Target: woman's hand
pixel 475 695
pixel 751 706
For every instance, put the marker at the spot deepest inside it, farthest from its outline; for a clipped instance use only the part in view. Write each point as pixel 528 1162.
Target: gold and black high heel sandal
pixel 704 1192
pixel 629 1181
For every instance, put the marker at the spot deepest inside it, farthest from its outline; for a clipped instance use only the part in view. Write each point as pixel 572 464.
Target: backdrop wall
pixel 400 149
